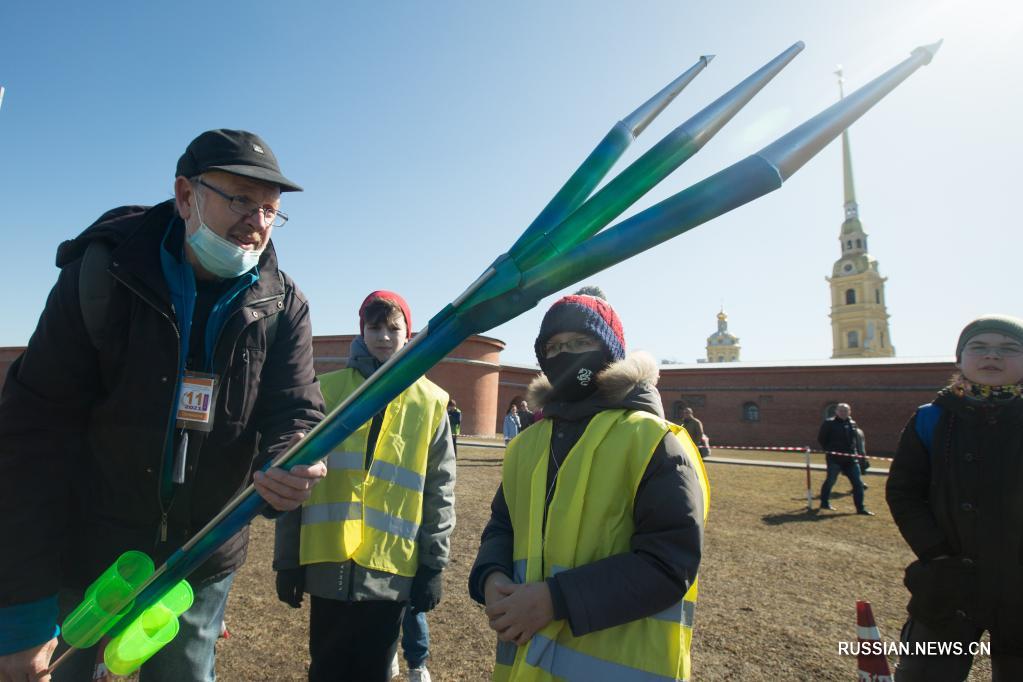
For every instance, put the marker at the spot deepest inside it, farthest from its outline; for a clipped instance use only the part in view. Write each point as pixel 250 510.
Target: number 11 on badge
pixel 196 400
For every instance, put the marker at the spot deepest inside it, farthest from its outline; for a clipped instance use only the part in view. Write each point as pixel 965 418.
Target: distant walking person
pixel 526 417
pixel 838 434
pixel 695 428
pixel 511 423
pixel 455 420
pixel 954 492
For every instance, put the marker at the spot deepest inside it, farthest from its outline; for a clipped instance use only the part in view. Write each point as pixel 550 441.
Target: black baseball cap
pixel 233 151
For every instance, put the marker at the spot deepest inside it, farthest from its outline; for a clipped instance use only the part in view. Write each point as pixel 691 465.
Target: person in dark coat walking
pixel 839 435
pixel 455 421
pixel 693 426
pixel 955 490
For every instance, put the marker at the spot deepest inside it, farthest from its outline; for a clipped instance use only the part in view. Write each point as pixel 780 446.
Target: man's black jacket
pixel 838 435
pixel 83 432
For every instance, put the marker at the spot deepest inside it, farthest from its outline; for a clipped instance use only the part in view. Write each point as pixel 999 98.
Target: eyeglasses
pixel 576 345
pixel 247 207
pixel 980 350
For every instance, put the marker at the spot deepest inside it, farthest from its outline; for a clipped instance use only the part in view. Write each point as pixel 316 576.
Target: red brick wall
pixel 514 381
pixel 791 399
pixel 469 374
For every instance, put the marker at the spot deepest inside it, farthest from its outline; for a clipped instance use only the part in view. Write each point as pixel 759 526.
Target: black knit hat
pixel 233 151
pixel 586 315
pixel 999 324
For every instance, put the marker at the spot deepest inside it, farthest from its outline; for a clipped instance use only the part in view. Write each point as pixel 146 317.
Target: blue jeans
pixel 189 656
pixel 851 468
pixel 415 638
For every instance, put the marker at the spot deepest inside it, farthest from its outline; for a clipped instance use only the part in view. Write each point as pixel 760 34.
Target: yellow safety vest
pixel 591 517
pixel 372 517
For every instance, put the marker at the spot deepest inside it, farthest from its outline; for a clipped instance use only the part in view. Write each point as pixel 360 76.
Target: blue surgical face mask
pixel 216 254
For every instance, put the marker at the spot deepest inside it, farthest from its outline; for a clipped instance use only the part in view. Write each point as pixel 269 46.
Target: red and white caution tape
pixel 767 448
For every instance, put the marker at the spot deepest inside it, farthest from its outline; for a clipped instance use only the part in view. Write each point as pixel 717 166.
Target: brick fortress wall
pixel 739 403
pixel 784 405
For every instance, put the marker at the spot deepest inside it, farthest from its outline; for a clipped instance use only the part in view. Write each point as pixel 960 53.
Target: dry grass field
pixel 778 586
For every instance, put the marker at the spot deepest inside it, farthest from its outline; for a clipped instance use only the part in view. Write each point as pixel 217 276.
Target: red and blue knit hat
pixel 586 315
pixel 394 298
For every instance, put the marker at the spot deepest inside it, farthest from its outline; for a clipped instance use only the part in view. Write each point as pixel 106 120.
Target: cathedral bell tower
pixel 722 345
pixel 859 316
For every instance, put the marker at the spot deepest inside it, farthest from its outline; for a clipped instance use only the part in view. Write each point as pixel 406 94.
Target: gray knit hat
pixel 999 324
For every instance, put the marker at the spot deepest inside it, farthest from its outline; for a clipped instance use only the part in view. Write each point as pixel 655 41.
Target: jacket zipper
pixel 220 332
pixel 164 511
pixel 163 449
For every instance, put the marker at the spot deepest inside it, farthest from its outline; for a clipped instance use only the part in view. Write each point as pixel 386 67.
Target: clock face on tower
pixel 847 267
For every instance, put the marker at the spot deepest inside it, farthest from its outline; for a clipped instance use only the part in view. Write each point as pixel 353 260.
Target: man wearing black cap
pixel 172 361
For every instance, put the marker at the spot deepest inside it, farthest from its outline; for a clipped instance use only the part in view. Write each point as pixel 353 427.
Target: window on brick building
pixel 696 402
pixel 750 412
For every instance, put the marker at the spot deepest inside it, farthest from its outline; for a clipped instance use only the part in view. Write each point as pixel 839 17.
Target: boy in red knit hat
pixel 374 536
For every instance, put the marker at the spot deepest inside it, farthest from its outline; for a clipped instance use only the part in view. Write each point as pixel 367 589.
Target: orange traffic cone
pixel 873 666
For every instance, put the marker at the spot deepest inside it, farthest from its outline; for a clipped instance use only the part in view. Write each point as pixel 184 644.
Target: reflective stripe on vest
pixel 373 517
pixel 569 664
pixel 590 518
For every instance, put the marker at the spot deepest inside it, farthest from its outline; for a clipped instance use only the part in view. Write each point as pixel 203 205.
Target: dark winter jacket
pixel 957 494
pixel 83 433
pixel 694 427
pixel 838 435
pixel 668 515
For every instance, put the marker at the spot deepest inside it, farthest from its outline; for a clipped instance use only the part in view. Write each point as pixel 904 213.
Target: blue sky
pixel 428 135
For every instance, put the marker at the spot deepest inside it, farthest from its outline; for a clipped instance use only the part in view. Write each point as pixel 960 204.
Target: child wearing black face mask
pixel 591 553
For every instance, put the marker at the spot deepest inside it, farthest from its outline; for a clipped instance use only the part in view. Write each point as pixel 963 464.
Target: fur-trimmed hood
pixel 630 384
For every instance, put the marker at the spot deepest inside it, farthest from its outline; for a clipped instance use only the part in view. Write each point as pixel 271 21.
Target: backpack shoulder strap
pixel 94 287
pixel 274 321
pixel 927 417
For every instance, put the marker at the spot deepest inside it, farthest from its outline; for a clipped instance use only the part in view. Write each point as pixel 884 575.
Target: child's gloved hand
pixel 427 589
pixel 291 586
